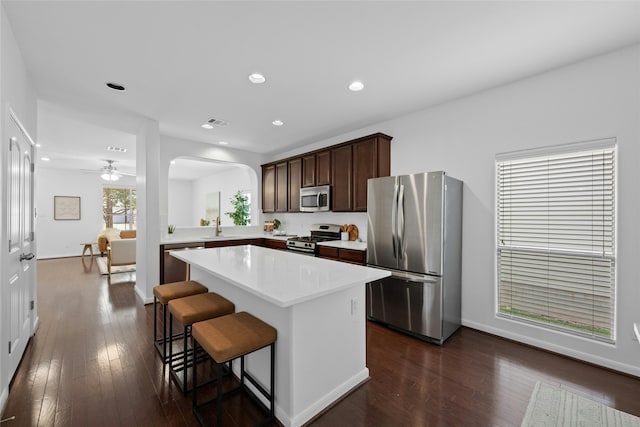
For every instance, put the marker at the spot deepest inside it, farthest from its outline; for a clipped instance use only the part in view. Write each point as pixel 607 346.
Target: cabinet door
pixel 295 182
pixel 268 188
pixel 323 168
pixel 309 170
pixel 365 166
pixel 282 187
pixel 341 177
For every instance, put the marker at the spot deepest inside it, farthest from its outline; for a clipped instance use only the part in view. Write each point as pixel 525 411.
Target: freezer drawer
pixel 410 304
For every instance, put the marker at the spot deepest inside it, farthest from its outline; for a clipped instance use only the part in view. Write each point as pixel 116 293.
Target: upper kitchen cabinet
pixel 295 182
pixel 342 178
pixel 268 188
pixel 282 186
pixel 371 159
pixel 323 167
pixel 346 167
pixel 309 170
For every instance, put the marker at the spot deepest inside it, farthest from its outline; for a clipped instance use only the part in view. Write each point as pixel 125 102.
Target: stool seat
pixel 229 337
pixel 195 308
pixel 169 291
pixel 189 310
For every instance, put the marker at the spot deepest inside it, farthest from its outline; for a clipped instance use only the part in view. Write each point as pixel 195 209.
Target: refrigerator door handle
pixel 401 222
pixel 394 221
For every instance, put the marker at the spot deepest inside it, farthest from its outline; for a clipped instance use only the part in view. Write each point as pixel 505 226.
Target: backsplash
pixel 300 223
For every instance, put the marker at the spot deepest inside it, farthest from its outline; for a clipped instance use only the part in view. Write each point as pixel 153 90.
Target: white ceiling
pixel 184 62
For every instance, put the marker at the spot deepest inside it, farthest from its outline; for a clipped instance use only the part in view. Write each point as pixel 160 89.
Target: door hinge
pixel 32 236
pixel 9 347
pixel 31 304
pixel 33 167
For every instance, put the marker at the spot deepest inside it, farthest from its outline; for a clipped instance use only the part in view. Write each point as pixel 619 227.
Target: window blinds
pixel 556 241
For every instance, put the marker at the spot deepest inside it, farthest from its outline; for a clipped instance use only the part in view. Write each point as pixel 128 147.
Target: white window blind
pixel 556 241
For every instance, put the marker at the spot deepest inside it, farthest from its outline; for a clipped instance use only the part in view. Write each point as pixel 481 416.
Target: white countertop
pixel 345 244
pixel 170 240
pixel 280 277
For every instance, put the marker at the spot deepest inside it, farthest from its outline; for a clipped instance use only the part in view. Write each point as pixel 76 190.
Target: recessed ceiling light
pixel 118 149
pixel 356 86
pixel 257 78
pixel 223 143
pixel 277 122
pixel 207 126
pixel 173 162
pixel 45 159
pixel 116 86
pixel 38 145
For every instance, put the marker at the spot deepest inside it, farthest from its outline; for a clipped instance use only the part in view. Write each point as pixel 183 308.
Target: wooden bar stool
pixel 187 311
pixel 163 294
pixel 227 338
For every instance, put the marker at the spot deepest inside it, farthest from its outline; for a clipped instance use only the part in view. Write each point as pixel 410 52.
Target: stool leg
pixel 272 390
pixel 185 389
pixel 165 340
pixel 155 319
pixel 194 344
pixel 164 333
pixel 219 399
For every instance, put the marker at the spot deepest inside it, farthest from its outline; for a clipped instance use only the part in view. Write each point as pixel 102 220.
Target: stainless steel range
pixel 319 233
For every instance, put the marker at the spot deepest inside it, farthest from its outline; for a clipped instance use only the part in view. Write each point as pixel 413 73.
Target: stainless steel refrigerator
pixel 415 231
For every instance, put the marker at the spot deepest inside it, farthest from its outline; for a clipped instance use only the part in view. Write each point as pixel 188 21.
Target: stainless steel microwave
pixel 315 199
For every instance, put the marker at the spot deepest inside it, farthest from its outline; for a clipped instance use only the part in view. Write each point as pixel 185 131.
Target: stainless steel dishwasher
pixel 174 270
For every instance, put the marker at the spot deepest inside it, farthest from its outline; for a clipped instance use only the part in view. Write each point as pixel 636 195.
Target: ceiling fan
pixel 109 172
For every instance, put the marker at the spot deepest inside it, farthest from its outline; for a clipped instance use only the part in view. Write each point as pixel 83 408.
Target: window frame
pixel 131 189
pixel 566 149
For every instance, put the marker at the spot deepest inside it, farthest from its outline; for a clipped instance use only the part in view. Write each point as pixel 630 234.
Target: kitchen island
pixel 316 305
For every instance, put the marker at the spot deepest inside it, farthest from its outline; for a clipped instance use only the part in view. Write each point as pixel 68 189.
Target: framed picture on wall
pixel 66 207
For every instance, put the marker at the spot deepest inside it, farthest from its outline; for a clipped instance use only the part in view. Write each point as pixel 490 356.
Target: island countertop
pixel 279 277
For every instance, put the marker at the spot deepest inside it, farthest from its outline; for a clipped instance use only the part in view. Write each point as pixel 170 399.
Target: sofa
pixel 109 234
pixel 121 252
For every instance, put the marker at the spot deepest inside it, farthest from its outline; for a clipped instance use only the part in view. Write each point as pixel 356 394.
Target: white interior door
pixel 21 259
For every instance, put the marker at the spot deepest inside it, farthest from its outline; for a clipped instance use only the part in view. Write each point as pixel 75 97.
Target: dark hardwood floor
pixel 92 363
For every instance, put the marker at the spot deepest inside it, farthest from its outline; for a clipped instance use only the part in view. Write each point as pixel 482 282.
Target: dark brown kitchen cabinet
pixel 342 178
pixel 268 188
pixel 295 182
pixel 352 256
pixel 275 244
pixel 346 167
pixel 234 242
pixel 371 159
pixel 323 167
pixel 282 187
pixel 309 170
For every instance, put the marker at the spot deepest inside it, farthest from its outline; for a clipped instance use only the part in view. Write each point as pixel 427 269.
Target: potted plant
pixel 240 213
pixel 171 228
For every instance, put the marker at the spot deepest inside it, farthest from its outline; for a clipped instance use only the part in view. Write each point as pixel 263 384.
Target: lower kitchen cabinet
pixel 351 256
pixel 274 244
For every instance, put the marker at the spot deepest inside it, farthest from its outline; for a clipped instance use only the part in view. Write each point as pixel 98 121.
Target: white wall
pixel 17 93
pixel 171 148
pixel 57 238
pixel 598 98
pixel 180 202
pixel 227 182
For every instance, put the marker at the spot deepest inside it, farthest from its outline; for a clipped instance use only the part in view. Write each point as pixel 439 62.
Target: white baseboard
pixel 145 300
pixel 4 396
pixel 555 348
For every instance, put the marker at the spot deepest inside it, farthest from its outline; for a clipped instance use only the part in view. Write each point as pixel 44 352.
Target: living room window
pixel 556 238
pixel 119 208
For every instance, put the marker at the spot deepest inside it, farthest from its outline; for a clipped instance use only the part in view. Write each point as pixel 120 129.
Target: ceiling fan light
pixel 109 176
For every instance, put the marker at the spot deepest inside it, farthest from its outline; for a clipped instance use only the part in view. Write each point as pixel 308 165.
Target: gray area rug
pixel 553 406
pixel 102 266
